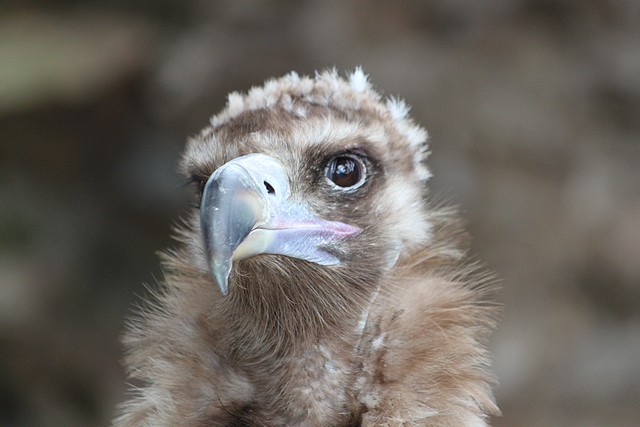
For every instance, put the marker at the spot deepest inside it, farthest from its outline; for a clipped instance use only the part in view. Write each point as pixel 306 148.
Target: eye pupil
pixel 345 171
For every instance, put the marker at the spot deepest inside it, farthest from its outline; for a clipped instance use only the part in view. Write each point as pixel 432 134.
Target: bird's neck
pixel 282 313
pixel 260 332
pixel 299 344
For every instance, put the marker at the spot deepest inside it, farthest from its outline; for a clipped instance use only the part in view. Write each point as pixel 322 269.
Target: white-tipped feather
pixel 358 80
pixel 398 108
pixel 293 94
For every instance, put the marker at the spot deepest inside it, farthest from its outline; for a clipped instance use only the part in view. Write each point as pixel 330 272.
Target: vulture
pixel 315 282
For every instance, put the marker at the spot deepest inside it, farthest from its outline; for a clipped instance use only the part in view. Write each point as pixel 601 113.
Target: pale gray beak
pixel 246 211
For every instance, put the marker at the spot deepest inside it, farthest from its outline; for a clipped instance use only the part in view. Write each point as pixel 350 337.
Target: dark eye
pixel 346 171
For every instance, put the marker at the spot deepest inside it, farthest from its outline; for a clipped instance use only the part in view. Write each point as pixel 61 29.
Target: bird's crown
pixel 296 94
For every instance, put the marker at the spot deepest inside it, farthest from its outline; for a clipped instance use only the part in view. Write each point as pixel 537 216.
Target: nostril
pixel 270 189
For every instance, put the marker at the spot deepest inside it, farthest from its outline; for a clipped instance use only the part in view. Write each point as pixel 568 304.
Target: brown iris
pixel 346 171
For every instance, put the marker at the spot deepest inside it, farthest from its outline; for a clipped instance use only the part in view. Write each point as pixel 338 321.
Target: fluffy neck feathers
pixel 274 307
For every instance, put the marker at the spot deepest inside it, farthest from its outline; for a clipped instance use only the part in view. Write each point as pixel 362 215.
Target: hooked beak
pixel 246 211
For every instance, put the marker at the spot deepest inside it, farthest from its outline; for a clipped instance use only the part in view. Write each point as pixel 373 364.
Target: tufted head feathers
pixel 300 94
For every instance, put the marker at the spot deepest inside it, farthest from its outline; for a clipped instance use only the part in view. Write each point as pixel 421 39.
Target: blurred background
pixel 533 107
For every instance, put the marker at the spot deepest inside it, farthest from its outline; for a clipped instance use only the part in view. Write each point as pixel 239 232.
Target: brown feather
pixel 392 336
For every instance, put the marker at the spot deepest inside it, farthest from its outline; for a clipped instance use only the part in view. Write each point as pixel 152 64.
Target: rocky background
pixel 534 113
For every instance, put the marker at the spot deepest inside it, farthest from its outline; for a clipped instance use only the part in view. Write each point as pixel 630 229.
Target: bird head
pixel 307 183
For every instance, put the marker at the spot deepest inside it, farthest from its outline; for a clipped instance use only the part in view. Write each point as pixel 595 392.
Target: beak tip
pixel 224 289
pixel 220 273
pixel 223 284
